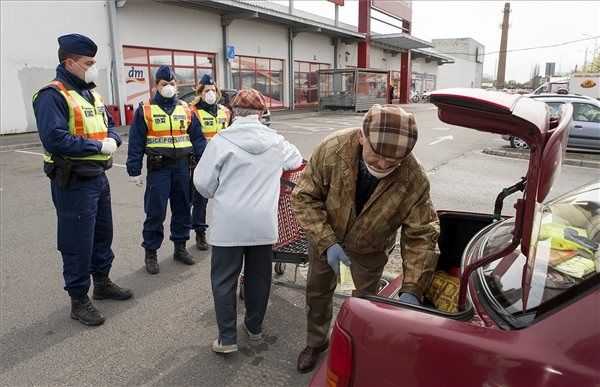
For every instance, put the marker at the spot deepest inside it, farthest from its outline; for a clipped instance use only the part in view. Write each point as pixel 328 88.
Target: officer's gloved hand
pixel 109 146
pixel 137 180
pixel 335 255
pixel 409 298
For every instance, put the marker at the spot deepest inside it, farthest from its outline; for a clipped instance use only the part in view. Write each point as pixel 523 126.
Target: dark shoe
pixel 181 254
pixel 201 240
pixel 308 358
pixel 105 289
pixel 151 261
pixel 84 311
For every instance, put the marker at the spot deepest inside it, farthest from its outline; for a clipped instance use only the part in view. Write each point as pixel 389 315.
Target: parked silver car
pixel 585 133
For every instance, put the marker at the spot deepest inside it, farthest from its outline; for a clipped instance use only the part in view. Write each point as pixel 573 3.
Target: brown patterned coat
pixel 324 202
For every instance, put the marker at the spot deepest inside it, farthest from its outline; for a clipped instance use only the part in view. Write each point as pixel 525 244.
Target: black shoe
pixel 84 311
pixel 151 261
pixel 201 240
pixel 309 357
pixel 181 254
pixel 105 289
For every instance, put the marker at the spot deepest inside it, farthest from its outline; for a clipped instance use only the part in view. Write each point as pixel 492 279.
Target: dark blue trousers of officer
pixel 85 230
pixel 199 211
pixel 170 183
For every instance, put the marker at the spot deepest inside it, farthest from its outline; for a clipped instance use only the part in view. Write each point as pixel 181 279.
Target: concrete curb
pixel 514 154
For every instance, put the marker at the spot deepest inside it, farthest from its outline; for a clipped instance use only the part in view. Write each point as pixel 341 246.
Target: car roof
pixel 565 98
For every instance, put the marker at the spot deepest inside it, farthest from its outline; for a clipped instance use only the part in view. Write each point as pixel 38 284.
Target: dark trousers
pixel 171 183
pixel 85 230
pixel 320 287
pixel 199 211
pixel 226 264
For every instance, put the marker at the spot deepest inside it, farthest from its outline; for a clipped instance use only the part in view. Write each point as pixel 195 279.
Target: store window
pixel 141 64
pixel 306 81
pixel 262 74
pixel 395 85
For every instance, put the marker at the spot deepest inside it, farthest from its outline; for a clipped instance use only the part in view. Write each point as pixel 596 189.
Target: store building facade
pixel 273 46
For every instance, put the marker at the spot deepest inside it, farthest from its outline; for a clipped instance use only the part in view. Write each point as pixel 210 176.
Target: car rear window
pixel 567 256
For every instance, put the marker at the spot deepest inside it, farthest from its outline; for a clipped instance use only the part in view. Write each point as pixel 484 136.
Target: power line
pixel 526 48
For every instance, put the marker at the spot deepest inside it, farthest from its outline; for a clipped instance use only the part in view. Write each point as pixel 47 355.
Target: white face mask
pixel 168 91
pixel 377 173
pixel 91 74
pixel 210 97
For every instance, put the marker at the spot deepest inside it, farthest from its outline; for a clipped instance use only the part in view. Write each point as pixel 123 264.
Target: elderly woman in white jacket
pixel 240 172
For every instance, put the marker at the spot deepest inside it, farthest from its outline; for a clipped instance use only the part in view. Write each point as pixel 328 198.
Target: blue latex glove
pixel 335 255
pixel 409 298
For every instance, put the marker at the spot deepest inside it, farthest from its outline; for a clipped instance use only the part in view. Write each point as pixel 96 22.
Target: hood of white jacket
pixel 250 135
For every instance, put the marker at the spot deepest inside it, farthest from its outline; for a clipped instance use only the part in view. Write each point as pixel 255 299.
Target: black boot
pixel 151 261
pixel 105 289
pixel 84 311
pixel 201 240
pixel 181 254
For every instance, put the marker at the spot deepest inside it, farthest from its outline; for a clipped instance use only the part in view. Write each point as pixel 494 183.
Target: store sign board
pixel 137 84
pixel 399 8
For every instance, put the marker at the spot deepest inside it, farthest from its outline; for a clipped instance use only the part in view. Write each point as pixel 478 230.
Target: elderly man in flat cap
pixel 79 140
pixel 359 187
pixel 240 172
pixel 165 130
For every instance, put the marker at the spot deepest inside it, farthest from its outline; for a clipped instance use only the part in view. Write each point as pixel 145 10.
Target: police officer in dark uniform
pixel 169 134
pixel 213 117
pixel 79 139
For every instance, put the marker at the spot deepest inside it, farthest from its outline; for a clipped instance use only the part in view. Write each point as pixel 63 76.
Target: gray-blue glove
pixel 335 255
pixel 409 298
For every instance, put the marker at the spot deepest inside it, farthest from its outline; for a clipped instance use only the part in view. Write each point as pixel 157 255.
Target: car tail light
pixel 339 365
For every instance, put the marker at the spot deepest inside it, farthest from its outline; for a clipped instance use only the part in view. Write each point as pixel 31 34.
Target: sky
pixel 532 24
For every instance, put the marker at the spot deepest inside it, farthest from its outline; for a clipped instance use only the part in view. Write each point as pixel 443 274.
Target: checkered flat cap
pixel 391 131
pixel 249 99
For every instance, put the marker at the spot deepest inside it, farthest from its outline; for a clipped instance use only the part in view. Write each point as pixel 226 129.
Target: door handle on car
pixel 578 126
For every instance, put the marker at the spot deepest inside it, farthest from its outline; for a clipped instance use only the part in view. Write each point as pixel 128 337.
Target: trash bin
pixel 128 114
pixel 114 112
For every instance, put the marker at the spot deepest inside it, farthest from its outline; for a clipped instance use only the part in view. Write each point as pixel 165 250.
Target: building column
pixel 291 102
pixel 405 68
pixel 119 94
pixel 226 66
pixel 405 76
pixel 364 26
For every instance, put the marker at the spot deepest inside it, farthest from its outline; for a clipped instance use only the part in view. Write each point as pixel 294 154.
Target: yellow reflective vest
pixel 85 119
pixel 212 125
pixel 167 130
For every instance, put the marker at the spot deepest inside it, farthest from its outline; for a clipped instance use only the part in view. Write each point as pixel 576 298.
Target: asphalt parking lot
pixel 162 337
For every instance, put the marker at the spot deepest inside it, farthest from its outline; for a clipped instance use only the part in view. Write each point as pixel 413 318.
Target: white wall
pixel 461 73
pixel 29 52
pixel 347 55
pixel 420 65
pixel 313 47
pixel 140 24
pixel 378 59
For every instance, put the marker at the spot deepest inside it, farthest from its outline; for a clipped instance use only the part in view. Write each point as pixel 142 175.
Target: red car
pixel 527 295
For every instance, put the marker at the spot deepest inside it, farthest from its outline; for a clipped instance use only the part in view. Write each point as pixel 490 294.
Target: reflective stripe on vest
pixel 85 120
pixel 167 131
pixel 212 125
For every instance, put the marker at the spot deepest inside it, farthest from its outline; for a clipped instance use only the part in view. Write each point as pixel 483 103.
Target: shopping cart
pixel 292 246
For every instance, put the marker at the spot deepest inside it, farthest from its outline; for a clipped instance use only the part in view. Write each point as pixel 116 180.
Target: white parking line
pixel 440 139
pixel 41 154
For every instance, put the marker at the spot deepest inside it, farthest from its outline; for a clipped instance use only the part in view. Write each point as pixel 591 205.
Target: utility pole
pixel 500 78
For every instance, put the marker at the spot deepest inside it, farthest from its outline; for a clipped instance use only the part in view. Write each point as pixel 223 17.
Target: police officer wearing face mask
pixel 79 140
pixel 213 118
pixel 169 134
